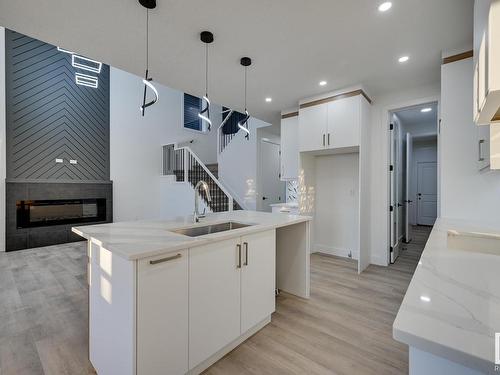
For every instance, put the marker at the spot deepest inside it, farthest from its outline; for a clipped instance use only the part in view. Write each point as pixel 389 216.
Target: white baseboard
pixel 331 250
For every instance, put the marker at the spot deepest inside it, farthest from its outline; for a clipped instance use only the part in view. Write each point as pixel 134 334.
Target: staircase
pixel 189 168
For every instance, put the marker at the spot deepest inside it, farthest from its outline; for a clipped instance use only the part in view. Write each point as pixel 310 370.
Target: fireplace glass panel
pixel 36 213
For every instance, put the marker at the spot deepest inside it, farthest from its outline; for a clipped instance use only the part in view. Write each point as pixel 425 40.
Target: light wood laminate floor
pixel 345 328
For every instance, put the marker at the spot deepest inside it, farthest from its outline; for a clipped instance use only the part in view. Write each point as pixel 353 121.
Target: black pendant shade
pixel 149 4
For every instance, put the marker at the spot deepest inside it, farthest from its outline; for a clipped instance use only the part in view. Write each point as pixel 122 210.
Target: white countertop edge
pixel 193 241
pixel 443 351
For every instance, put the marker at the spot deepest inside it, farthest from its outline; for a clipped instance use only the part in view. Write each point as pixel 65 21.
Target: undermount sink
pixel 209 229
pixel 474 242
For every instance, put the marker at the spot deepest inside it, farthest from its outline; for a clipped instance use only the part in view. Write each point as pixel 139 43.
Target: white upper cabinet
pixel 333 123
pixel 344 122
pixel 486 62
pixel 313 125
pixel 289 147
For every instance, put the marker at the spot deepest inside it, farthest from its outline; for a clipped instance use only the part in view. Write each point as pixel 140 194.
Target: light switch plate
pixel 59 161
pixel 72 161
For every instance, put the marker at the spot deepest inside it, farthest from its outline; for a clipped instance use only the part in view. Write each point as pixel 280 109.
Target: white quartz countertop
pixel 452 306
pixel 134 240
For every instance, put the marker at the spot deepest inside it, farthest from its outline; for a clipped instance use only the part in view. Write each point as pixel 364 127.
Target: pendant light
pixel 148 4
pixel 243 123
pixel 206 37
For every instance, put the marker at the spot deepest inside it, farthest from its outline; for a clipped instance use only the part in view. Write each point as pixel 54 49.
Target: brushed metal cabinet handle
pixel 328 139
pixel 156 261
pixel 239 256
pixel 480 150
pixel 246 253
pixel 323 139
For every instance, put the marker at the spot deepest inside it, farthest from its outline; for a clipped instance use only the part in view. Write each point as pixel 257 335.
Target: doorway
pixel 272 188
pixel 413 173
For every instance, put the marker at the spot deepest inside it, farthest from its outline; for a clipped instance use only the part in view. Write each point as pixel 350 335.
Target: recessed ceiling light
pixel 426 109
pixel 322 83
pixel 269 100
pixel 384 7
pixel 403 59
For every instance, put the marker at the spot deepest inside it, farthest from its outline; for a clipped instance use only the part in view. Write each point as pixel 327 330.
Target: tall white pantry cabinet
pixel 330 124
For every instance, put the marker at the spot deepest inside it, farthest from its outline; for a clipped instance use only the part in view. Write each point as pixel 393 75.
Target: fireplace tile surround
pixel 23 238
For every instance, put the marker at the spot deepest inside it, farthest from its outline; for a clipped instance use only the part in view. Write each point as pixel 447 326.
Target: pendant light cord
pixel 245 88
pixel 147 39
pixel 206 70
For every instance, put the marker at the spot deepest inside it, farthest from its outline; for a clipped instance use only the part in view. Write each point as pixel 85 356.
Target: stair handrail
pixel 186 151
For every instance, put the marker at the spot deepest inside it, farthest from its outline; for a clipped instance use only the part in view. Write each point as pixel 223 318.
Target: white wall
pixel 135 144
pixel 466 193
pixel 336 224
pixel 3 124
pixel 379 155
pixel 238 166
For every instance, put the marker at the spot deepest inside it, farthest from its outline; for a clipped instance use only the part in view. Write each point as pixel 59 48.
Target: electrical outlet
pixel 59 161
pixel 72 161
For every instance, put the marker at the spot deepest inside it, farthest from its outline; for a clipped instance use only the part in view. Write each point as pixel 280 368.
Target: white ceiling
pixel 413 116
pixel 294 43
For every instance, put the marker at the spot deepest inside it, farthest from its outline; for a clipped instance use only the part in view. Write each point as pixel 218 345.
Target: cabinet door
pixel 483 147
pixel 313 127
pixel 162 314
pixel 214 298
pixel 290 147
pixel 344 117
pixel 258 278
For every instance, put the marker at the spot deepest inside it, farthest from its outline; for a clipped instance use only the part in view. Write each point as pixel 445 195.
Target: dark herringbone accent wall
pixel 49 116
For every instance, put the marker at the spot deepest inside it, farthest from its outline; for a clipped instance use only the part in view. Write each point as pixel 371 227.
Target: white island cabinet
pixel 161 302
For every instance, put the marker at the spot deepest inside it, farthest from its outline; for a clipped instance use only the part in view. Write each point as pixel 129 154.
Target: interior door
pixel 258 281
pixel 272 188
pixel 427 193
pixel 408 200
pixel 394 196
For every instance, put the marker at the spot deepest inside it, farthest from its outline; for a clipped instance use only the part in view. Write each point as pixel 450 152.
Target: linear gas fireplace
pixel 43 213
pixel 39 213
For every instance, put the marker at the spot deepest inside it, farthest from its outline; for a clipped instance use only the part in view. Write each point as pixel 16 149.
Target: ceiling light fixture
pixel 243 123
pixel 403 59
pixel 269 100
pixel 148 4
pixel 206 37
pixel 428 109
pixel 322 83
pixel 384 7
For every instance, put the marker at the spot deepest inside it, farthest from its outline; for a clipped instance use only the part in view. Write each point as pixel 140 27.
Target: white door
pixel 214 298
pixel 427 193
pixel 312 127
pixel 272 188
pixel 344 122
pixel 257 278
pixel 408 201
pixel 162 314
pixel 394 196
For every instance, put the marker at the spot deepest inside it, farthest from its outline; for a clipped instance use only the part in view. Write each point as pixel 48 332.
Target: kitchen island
pixel 451 311
pixel 173 297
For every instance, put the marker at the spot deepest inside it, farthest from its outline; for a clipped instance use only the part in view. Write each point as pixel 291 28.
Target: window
pixel 231 125
pixel 192 106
